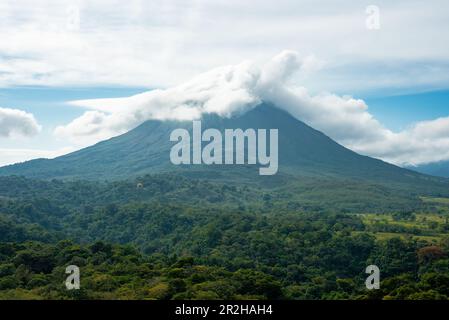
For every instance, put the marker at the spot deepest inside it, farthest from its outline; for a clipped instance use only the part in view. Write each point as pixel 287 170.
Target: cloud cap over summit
pixel 237 88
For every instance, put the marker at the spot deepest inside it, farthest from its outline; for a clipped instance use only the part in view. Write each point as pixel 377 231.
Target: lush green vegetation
pixel 319 269
pixel 169 237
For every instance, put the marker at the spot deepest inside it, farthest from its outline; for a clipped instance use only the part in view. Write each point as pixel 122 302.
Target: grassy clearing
pixel 382 236
pixel 444 201
pixel 430 227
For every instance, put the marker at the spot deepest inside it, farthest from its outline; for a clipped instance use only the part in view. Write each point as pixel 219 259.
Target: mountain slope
pixel 303 151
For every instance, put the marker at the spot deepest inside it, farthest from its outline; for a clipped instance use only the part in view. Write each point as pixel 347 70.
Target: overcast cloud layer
pixel 229 89
pixel 158 44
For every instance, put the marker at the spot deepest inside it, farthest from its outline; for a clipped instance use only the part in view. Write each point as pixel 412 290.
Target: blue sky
pixel 380 89
pixel 398 112
pixel 48 104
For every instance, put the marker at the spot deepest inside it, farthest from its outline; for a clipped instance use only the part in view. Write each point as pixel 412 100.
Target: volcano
pixel 303 151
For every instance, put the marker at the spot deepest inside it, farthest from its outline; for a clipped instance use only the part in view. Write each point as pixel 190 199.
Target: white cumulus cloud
pixel 14 122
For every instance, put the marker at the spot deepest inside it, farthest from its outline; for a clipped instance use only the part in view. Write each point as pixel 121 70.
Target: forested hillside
pixel 169 237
